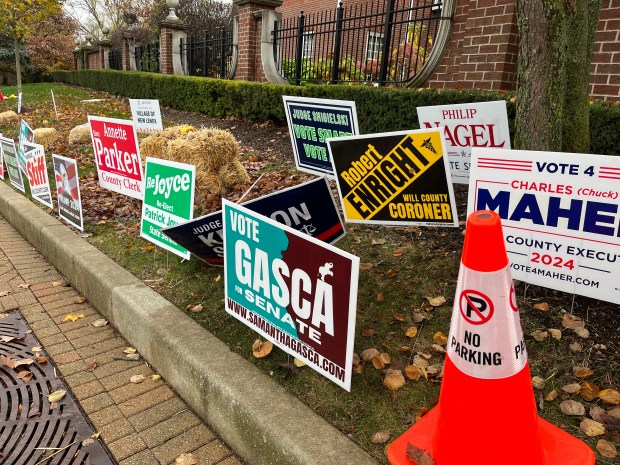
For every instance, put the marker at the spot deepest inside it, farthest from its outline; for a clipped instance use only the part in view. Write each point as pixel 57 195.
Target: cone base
pixel 560 448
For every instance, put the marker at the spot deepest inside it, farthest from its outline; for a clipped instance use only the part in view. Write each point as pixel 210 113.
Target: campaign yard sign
pixel 395 178
pixel 1 160
pixel 26 134
pixel 293 289
pixel 146 115
pixel 310 122
pixel 117 155
pixel 308 207
pixel 68 191
pixel 467 125
pixel 12 165
pixel 560 216
pixel 168 200
pixel 36 170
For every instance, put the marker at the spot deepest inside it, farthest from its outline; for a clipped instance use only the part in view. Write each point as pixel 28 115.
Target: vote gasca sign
pixel 560 216
pixel 168 200
pixel 117 155
pixel 398 178
pixel 296 291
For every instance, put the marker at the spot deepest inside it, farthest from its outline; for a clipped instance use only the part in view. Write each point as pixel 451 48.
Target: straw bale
pixel 8 117
pixel 234 173
pixel 79 134
pixel 45 136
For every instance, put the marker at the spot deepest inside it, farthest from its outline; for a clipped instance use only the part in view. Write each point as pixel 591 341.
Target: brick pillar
pixel 483 49
pixel 105 46
pixel 76 59
pixel 125 50
pixel 249 67
pixel 165 50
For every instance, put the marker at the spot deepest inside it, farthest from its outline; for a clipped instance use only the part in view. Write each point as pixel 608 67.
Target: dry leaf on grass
pixel 582 372
pixel 589 391
pixel 538 382
pixel 606 449
pixel 571 321
pixel 582 333
pixel 411 331
pixel 420 361
pixel 437 301
pixel 412 372
pixel 542 306
pixel 437 348
pixel 418 317
pixel 366 266
pixel 394 379
pixel 56 396
pixel 575 347
pixel 552 395
pixel 195 308
pixel 572 388
pixel 440 338
pixel 390 273
pixel 261 349
pixel 380 437
pixel 367 332
pixel 555 333
pixel 540 335
pixel 399 251
pixel 572 407
pixel 380 297
pixel 591 427
pixel 418 456
pixel 300 363
pixel 368 354
pixel 137 379
pixel 610 396
pixel 186 459
pixel 378 363
pixel 378 241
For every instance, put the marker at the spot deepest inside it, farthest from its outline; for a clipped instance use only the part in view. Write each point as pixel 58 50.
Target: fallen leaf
pixel 261 349
pixel 394 379
pixel 390 273
pixel 300 363
pixel 137 379
pixel 99 323
pixel 572 407
pixel 439 349
pixel 185 459
pixel 25 376
pixel 41 359
pixel 37 349
pixel 540 335
pixel 411 331
pixel 368 354
pixel 79 300
pixel 73 317
pixel 57 283
pixel 552 395
pixel 56 396
pixel 572 388
pixel 13 363
pixel 555 333
pixel 538 382
pixel 53 405
pixel 434 371
pixel 380 437
pixel 367 332
pixel 420 361
pixel 378 363
pixel 130 350
pixel 155 378
pixel 598 414
pixel 418 456
pixel 418 317
pixel 87 442
pixel 162 272
pixel 591 427
pixel 440 338
pixel 582 333
pixel 610 396
pixel 400 317
pixel 6 339
pixel 33 412
pixel 24 286
pixel 571 321
pixel 606 449
pixel 90 366
pixel 366 266
pixel 196 308
pixel 436 301
pixel 614 413
pixel 4 294
pixel 589 391
pixel 542 306
pixel 217 279
pixel 148 248
pixel 399 251
pixel 582 372
pixel 378 241
pixel 575 347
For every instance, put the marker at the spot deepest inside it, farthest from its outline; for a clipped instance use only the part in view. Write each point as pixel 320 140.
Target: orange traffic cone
pixel 487 410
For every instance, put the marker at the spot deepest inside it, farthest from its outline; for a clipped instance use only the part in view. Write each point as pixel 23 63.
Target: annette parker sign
pixel 560 216
pixel 310 122
pixel 467 125
pixel 293 289
pixel 395 178
pixel 117 155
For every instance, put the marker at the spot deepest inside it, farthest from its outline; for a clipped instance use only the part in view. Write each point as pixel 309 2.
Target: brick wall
pixel 249 67
pixel 92 59
pixel 605 69
pixel 165 51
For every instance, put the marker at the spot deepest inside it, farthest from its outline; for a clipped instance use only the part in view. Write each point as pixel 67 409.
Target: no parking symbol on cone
pixel 487 385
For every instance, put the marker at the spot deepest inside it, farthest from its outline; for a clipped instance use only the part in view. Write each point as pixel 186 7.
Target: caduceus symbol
pixel 428 145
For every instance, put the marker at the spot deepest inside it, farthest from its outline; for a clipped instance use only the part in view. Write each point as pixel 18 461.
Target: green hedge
pixel 378 109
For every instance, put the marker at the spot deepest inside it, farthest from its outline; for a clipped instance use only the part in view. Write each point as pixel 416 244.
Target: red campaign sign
pixel 117 155
pixel 476 307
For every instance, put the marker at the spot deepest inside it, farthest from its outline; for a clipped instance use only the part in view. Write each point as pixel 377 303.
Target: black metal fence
pixel 384 42
pixel 210 55
pixel 147 57
pixel 115 59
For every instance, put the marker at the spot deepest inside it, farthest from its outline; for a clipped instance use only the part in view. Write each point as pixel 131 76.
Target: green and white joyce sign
pixel 168 200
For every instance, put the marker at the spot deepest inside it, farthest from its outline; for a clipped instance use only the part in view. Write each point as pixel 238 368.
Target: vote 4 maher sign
pixel 395 178
pixel 117 155
pixel 294 290
pixel 168 200
pixel 310 122
pixel 560 216
pixel 36 170
pixel 467 125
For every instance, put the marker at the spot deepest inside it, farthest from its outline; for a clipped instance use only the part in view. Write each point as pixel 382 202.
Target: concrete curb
pixel 259 419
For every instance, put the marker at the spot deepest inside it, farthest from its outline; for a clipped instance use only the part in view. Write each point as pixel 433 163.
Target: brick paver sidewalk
pixel 141 424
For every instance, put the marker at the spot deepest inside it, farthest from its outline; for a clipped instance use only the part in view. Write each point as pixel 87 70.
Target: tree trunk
pixel 555 51
pixel 18 67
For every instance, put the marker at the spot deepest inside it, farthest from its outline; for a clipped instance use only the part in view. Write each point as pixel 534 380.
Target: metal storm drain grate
pixel 32 430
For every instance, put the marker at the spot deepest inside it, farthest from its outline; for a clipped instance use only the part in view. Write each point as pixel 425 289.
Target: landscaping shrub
pixel 378 109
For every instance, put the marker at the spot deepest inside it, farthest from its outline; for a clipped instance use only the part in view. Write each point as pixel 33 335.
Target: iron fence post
pixel 204 55
pixel 337 40
pixel 222 53
pixel 181 53
pixel 387 36
pixel 190 55
pixel 300 47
